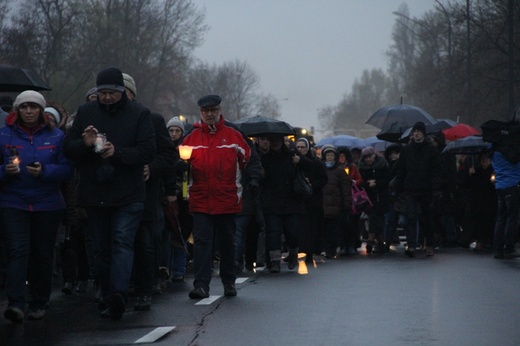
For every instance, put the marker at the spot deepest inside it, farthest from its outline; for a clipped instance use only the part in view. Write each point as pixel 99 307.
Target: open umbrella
pixel 17 79
pixel 439 126
pixel 399 116
pixel 377 144
pixel 459 131
pixel 342 141
pixel 468 145
pixel 259 126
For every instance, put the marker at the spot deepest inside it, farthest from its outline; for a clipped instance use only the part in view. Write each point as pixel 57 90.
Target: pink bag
pixel 360 201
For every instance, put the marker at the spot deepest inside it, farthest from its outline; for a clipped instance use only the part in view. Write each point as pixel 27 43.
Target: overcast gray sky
pixel 306 51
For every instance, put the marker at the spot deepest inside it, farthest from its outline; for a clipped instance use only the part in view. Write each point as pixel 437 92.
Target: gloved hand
pixel 254 187
pixel 181 166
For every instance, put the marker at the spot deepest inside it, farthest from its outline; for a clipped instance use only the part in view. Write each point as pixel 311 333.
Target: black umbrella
pixel 399 116
pixel 17 79
pixel 469 145
pixel 259 126
pixel 441 124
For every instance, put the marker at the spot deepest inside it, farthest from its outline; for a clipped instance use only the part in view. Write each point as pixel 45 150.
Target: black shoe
pixel 199 293
pixel 230 290
pixel 293 261
pixel 275 267
pixel 410 252
pixel 156 289
pixel 116 306
pixel 105 313
pixel 369 247
pixel 67 288
pixel 14 314
pixel 81 287
pixel 143 303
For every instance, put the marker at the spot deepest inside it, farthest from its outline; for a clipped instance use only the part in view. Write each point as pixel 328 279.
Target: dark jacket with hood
pixel 118 180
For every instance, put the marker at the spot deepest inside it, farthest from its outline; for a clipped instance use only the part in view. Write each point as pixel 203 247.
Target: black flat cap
pixel 209 101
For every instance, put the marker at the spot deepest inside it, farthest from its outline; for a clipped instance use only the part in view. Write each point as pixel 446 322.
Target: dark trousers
pixel 508 211
pixel 286 224
pixel 418 209
pixel 29 240
pixel 114 230
pixel 148 250
pixel 205 228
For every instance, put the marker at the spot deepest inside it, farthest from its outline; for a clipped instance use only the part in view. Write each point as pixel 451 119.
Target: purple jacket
pixel 44 145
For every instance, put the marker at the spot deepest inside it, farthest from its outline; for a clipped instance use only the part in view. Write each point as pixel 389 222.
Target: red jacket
pixel 216 163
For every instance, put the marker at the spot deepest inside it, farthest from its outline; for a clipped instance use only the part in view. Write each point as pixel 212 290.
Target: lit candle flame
pixel 347 170
pixel 185 152
pixel 493 177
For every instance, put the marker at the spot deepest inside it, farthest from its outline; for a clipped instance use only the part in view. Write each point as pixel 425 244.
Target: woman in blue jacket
pixel 31 205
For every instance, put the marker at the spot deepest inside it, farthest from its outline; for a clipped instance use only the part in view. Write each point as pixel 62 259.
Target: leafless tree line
pixel 68 41
pixel 459 61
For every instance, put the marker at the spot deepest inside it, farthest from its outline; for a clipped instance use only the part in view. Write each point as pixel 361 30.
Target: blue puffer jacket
pixel 44 145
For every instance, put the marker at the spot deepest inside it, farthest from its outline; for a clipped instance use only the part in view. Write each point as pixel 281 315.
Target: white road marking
pixel 154 335
pixel 240 280
pixel 207 301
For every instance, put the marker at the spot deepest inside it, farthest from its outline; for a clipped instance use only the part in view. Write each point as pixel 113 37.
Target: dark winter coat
pixel 418 169
pixel 337 193
pixel 317 176
pixel 277 195
pixel 378 171
pixel 116 181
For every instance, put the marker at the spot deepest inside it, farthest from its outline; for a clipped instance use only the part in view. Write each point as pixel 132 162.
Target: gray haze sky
pixel 306 51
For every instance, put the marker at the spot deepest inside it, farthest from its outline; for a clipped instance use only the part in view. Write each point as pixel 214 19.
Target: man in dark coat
pixel 418 174
pixel 111 186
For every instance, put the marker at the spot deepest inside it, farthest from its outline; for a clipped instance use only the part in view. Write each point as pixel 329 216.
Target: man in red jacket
pixel 220 154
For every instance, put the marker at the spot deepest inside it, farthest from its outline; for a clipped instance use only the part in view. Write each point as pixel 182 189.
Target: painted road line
pixel 207 301
pixel 240 280
pixel 154 335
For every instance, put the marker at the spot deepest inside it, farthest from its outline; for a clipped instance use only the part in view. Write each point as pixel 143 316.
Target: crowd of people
pixel 106 196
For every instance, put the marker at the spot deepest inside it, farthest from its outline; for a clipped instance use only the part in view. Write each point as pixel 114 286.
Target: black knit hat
pixel 110 79
pixel 419 126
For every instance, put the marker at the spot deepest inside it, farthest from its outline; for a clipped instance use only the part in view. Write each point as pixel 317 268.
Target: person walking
pixel 418 175
pixel 220 153
pixel 337 199
pixel 507 185
pixel 31 203
pixel 148 244
pixel 283 208
pixel 111 140
pixel 374 170
pixel 312 227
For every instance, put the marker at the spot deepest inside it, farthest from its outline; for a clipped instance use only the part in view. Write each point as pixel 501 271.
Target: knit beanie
pixel 29 96
pixel 367 151
pixel 175 121
pixel 326 148
pixel 54 113
pixel 90 92
pixel 419 126
pixel 130 83
pixel 110 79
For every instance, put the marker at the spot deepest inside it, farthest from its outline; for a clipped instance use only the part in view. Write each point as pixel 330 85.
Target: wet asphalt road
pixel 457 297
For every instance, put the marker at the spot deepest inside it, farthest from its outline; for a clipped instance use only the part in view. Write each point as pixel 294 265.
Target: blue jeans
pixel 508 211
pixel 114 230
pixel 29 240
pixel 205 227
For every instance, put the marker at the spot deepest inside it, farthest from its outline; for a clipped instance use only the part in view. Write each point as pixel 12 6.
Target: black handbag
pixel 301 185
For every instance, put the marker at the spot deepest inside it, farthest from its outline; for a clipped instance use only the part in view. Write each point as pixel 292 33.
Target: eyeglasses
pixel 209 110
